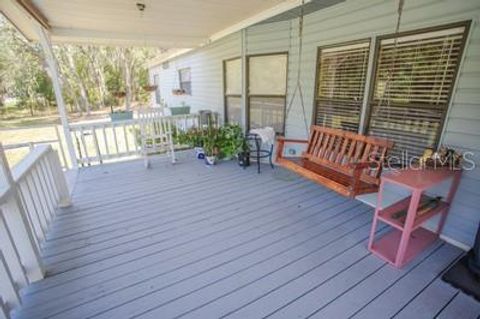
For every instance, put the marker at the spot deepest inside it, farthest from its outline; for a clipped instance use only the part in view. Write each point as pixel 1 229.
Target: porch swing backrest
pixel 337 149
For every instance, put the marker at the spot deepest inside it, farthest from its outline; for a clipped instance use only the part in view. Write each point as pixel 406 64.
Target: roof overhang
pixel 163 23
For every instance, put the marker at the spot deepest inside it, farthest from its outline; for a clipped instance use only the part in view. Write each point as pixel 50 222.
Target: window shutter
pixel 412 88
pixel 341 77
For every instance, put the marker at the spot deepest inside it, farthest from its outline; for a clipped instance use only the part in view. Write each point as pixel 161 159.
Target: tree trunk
pixel 83 91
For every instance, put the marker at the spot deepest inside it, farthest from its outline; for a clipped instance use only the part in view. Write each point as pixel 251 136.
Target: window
pixel 232 70
pixel 412 87
pixel 267 87
pixel 156 82
pixel 185 80
pixel 342 72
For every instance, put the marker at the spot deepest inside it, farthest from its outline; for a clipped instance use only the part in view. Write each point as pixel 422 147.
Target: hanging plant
pixel 150 88
pixel 178 91
pixel 119 94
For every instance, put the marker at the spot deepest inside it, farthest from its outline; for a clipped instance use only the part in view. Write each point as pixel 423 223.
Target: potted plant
pixel 243 154
pixel 121 115
pixel 211 140
pixel 149 88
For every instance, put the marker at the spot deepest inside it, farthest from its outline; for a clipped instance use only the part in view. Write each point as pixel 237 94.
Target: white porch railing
pixel 29 197
pixel 98 142
pixel 30 145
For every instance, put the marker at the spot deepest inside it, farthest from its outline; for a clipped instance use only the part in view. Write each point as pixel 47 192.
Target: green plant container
pixel 180 110
pixel 121 116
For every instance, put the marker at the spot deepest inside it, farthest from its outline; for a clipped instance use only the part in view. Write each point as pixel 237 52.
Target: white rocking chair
pixel 155 135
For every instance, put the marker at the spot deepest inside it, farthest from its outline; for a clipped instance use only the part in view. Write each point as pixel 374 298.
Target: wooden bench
pixel 345 162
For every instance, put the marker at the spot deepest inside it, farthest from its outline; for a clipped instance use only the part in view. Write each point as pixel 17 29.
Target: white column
pixel 54 75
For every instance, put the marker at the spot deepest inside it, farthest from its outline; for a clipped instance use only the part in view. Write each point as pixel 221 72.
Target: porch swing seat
pixel 345 162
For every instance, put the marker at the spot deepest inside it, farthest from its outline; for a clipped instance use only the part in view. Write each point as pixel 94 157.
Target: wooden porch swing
pixel 346 162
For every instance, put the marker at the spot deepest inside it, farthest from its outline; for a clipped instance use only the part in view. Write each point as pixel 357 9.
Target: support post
pixel 244 100
pixel 54 75
pixel 64 199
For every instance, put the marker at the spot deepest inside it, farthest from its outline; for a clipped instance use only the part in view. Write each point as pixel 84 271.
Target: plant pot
pixel 119 94
pixel 199 153
pixel 243 159
pixel 150 88
pixel 210 160
pixel 121 116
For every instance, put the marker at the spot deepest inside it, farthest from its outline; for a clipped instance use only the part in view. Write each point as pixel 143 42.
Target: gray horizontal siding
pixel 353 20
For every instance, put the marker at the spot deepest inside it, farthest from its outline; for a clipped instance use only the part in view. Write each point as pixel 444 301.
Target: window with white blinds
pixel 342 72
pixel 412 86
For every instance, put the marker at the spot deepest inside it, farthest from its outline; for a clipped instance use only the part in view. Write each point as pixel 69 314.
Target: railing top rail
pixel 29 161
pixel 90 125
pixel 27 144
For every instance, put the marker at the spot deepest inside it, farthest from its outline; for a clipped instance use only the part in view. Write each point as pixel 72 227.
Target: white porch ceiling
pixel 164 23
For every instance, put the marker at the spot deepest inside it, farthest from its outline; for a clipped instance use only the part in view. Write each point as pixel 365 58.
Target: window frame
pixel 180 82
pixel 376 54
pixel 249 96
pixel 367 76
pixel 225 95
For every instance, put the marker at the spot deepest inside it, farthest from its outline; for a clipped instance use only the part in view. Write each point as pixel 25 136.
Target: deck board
pixel 222 242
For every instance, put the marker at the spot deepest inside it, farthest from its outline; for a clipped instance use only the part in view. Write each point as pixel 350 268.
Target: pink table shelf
pixel 407 239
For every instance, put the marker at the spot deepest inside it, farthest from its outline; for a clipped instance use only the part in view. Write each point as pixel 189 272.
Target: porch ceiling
pixel 164 23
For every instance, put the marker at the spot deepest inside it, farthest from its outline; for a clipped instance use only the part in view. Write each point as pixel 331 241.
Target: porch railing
pixel 30 194
pixel 30 145
pixel 97 142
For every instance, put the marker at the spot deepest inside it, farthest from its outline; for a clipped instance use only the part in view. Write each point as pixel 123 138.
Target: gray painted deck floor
pixel 197 242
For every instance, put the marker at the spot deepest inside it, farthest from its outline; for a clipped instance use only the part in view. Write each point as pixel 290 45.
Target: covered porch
pixel 200 242
pixel 114 240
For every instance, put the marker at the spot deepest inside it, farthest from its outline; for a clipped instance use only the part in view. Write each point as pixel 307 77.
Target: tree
pixel 91 75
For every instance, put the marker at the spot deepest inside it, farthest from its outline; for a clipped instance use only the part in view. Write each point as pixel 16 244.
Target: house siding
pixel 353 20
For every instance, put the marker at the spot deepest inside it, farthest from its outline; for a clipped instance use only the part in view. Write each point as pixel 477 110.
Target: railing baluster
pixel 32 210
pixel 47 196
pixel 97 148
pixel 39 190
pixel 32 190
pixel 60 181
pixel 115 139
pixel 17 223
pixel 60 146
pixel 105 140
pixel 48 173
pixel 10 254
pixel 85 147
pixel 7 288
pixel 38 206
pixel 4 312
pixel 126 138
pixel 135 141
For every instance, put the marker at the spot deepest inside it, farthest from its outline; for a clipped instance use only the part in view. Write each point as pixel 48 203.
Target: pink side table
pixel 407 238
